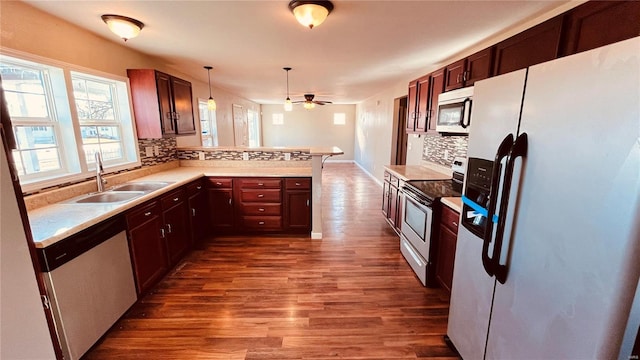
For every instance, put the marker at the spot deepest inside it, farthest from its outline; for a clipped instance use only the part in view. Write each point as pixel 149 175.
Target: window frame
pixel 72 158
pixel 211 120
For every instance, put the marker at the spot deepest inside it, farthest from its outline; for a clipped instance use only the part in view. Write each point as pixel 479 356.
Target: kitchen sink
pixel 146 186
pixel 110 197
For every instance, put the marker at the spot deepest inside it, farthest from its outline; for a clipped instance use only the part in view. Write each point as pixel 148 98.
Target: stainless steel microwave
pixel 454 111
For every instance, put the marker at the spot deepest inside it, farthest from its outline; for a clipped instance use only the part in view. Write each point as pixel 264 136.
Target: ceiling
pixel 364 47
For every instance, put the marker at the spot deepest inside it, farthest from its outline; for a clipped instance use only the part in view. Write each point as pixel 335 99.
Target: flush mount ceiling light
pixel 310 13
pixel 288 105
pixel 211 104
pixel 125 27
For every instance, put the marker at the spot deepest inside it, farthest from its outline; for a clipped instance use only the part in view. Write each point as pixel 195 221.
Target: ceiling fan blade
pixel 322 102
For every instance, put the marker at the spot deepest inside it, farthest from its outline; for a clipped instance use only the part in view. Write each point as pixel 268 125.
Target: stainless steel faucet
pixel 99 171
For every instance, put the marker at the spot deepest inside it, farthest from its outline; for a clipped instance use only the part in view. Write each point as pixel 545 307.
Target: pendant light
pixel 288 105
pixel 310 13
pixel 211 104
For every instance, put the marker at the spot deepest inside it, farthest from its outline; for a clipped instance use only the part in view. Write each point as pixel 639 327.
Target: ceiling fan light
pixel 125 27
pixel 311 13
pixel 309 105
pixel 288 105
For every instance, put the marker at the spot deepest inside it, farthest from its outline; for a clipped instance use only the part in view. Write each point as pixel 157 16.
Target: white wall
pixel 304 128
pixel 30 30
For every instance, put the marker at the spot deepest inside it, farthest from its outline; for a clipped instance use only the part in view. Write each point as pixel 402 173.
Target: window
pixel 208 125
pixel 339 119
pixel 254 128
pixel 49 117
pixel 277 119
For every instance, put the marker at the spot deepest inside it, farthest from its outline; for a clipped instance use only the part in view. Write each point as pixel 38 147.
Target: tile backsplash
pixel 236 154
pixel 434 147
pixel 166 151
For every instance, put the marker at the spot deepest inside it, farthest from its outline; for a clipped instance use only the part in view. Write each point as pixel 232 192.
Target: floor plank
pixel 350 295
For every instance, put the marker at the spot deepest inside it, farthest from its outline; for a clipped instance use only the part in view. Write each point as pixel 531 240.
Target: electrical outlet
pixel 156 149
pixel 287 156
pixel 245 156
pixel 148 151
pixel 201 155
pixel 446 154
pixel 426 151
pixel 409 146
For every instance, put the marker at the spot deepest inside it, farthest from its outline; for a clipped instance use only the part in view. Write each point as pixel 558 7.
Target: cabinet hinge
pixel 45 302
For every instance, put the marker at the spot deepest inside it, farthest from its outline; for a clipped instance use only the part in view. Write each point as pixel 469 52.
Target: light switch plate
pixel 287 156
pixel 201 155
pixel 148 151
pixel 245 156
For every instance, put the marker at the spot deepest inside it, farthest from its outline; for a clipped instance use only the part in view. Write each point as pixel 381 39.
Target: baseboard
pixel 370 175
pixel 329 160
pixel 316 235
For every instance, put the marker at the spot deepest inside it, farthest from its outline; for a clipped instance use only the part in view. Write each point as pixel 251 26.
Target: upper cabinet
pixel 598 23
pixel 532 46
pixel 466 72
pixel 162 104
pixel 423 102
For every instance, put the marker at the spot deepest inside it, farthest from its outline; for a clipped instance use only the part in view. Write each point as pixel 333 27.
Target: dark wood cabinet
pixel 220 196
pixel 418 105
pixel 391 202
pixel 162 104
pixel 412 104
pixel 454 75
pixel 258 204
pixel 598 23
pixel 298 205
pixel 446 253
pixel 147 245
pixel 436 87
pixel 175 224
pixel 197 204
pixel 467 71
pixel 532 46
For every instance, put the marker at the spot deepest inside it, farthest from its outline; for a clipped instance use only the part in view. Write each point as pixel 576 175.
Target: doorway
pixel 400 136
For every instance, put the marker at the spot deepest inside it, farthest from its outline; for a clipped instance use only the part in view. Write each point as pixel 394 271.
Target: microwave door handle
pixel 519 149
pixel 466 109
pixel 503 151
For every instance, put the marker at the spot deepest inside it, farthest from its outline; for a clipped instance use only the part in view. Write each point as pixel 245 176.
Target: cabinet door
pixel 148 253
pixel 454 75
pixel 183 106
pixel 385 198
pixel 422 110
pixel 532 46
pixel 298 211
pixel 598 23
pixel 446 257
pixel 221 209
pixel 177 234
pixel 393 205
pixel 197 216
pixel 165 103
pixel 412 105
pixel 479 66
pixel 437 86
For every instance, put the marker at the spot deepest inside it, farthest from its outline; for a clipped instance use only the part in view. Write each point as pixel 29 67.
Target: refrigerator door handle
pixel 466 110
pixel 519 149
pixel 503 151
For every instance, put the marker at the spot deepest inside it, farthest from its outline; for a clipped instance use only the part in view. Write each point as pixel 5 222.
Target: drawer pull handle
pixel 169 228
pixel 176 199
pixel 219 183
pixel 260 184
pixel 307 202
pixel 147 213
pixel 454 223
pixel 61 256
pixel 198 187
pixel 261 210
pixel 261 223
pixel 229 201
pixel 260 195
pixel 298 184
pixel 193 212
pixel 162 233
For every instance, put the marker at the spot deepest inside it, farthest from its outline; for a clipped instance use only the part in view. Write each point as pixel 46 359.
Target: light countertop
pixel 416 172
pixel 54 222
pixel 454 203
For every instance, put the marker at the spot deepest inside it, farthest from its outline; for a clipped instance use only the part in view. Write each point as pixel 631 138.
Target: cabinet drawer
pixel 172 198
pixel 255 195
pixel 394 181
pixel 143 214
pixel 260 183
pixel 261 209
pixel 219 183
pixel 194 187
pixel 262 222
pixel 387 176
pixel 450 219
pixel 298 183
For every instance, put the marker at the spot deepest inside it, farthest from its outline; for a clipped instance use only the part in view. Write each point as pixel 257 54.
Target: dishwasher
pixel 89 280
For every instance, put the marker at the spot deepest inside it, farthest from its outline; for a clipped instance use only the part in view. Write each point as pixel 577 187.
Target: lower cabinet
pixel 447 240
pixel 392 200
pixel 197 214
pixel 147 245
pixel 255 205
pixel 175 224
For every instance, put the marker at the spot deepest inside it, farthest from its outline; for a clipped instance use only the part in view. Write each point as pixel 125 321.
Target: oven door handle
pixel 503 151
pixel 519 149
pixel 416 198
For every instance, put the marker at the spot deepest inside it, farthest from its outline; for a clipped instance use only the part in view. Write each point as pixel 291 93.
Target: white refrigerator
pixel 547 267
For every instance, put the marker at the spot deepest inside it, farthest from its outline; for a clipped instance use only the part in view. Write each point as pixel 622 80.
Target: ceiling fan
pixel 309 103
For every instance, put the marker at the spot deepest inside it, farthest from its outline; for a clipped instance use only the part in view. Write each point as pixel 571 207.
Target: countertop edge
pixel 455 203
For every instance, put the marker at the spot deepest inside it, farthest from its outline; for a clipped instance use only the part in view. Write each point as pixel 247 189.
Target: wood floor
pixel 350 295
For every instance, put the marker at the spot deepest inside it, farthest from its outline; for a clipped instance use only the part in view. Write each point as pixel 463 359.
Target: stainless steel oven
pixel 415 237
